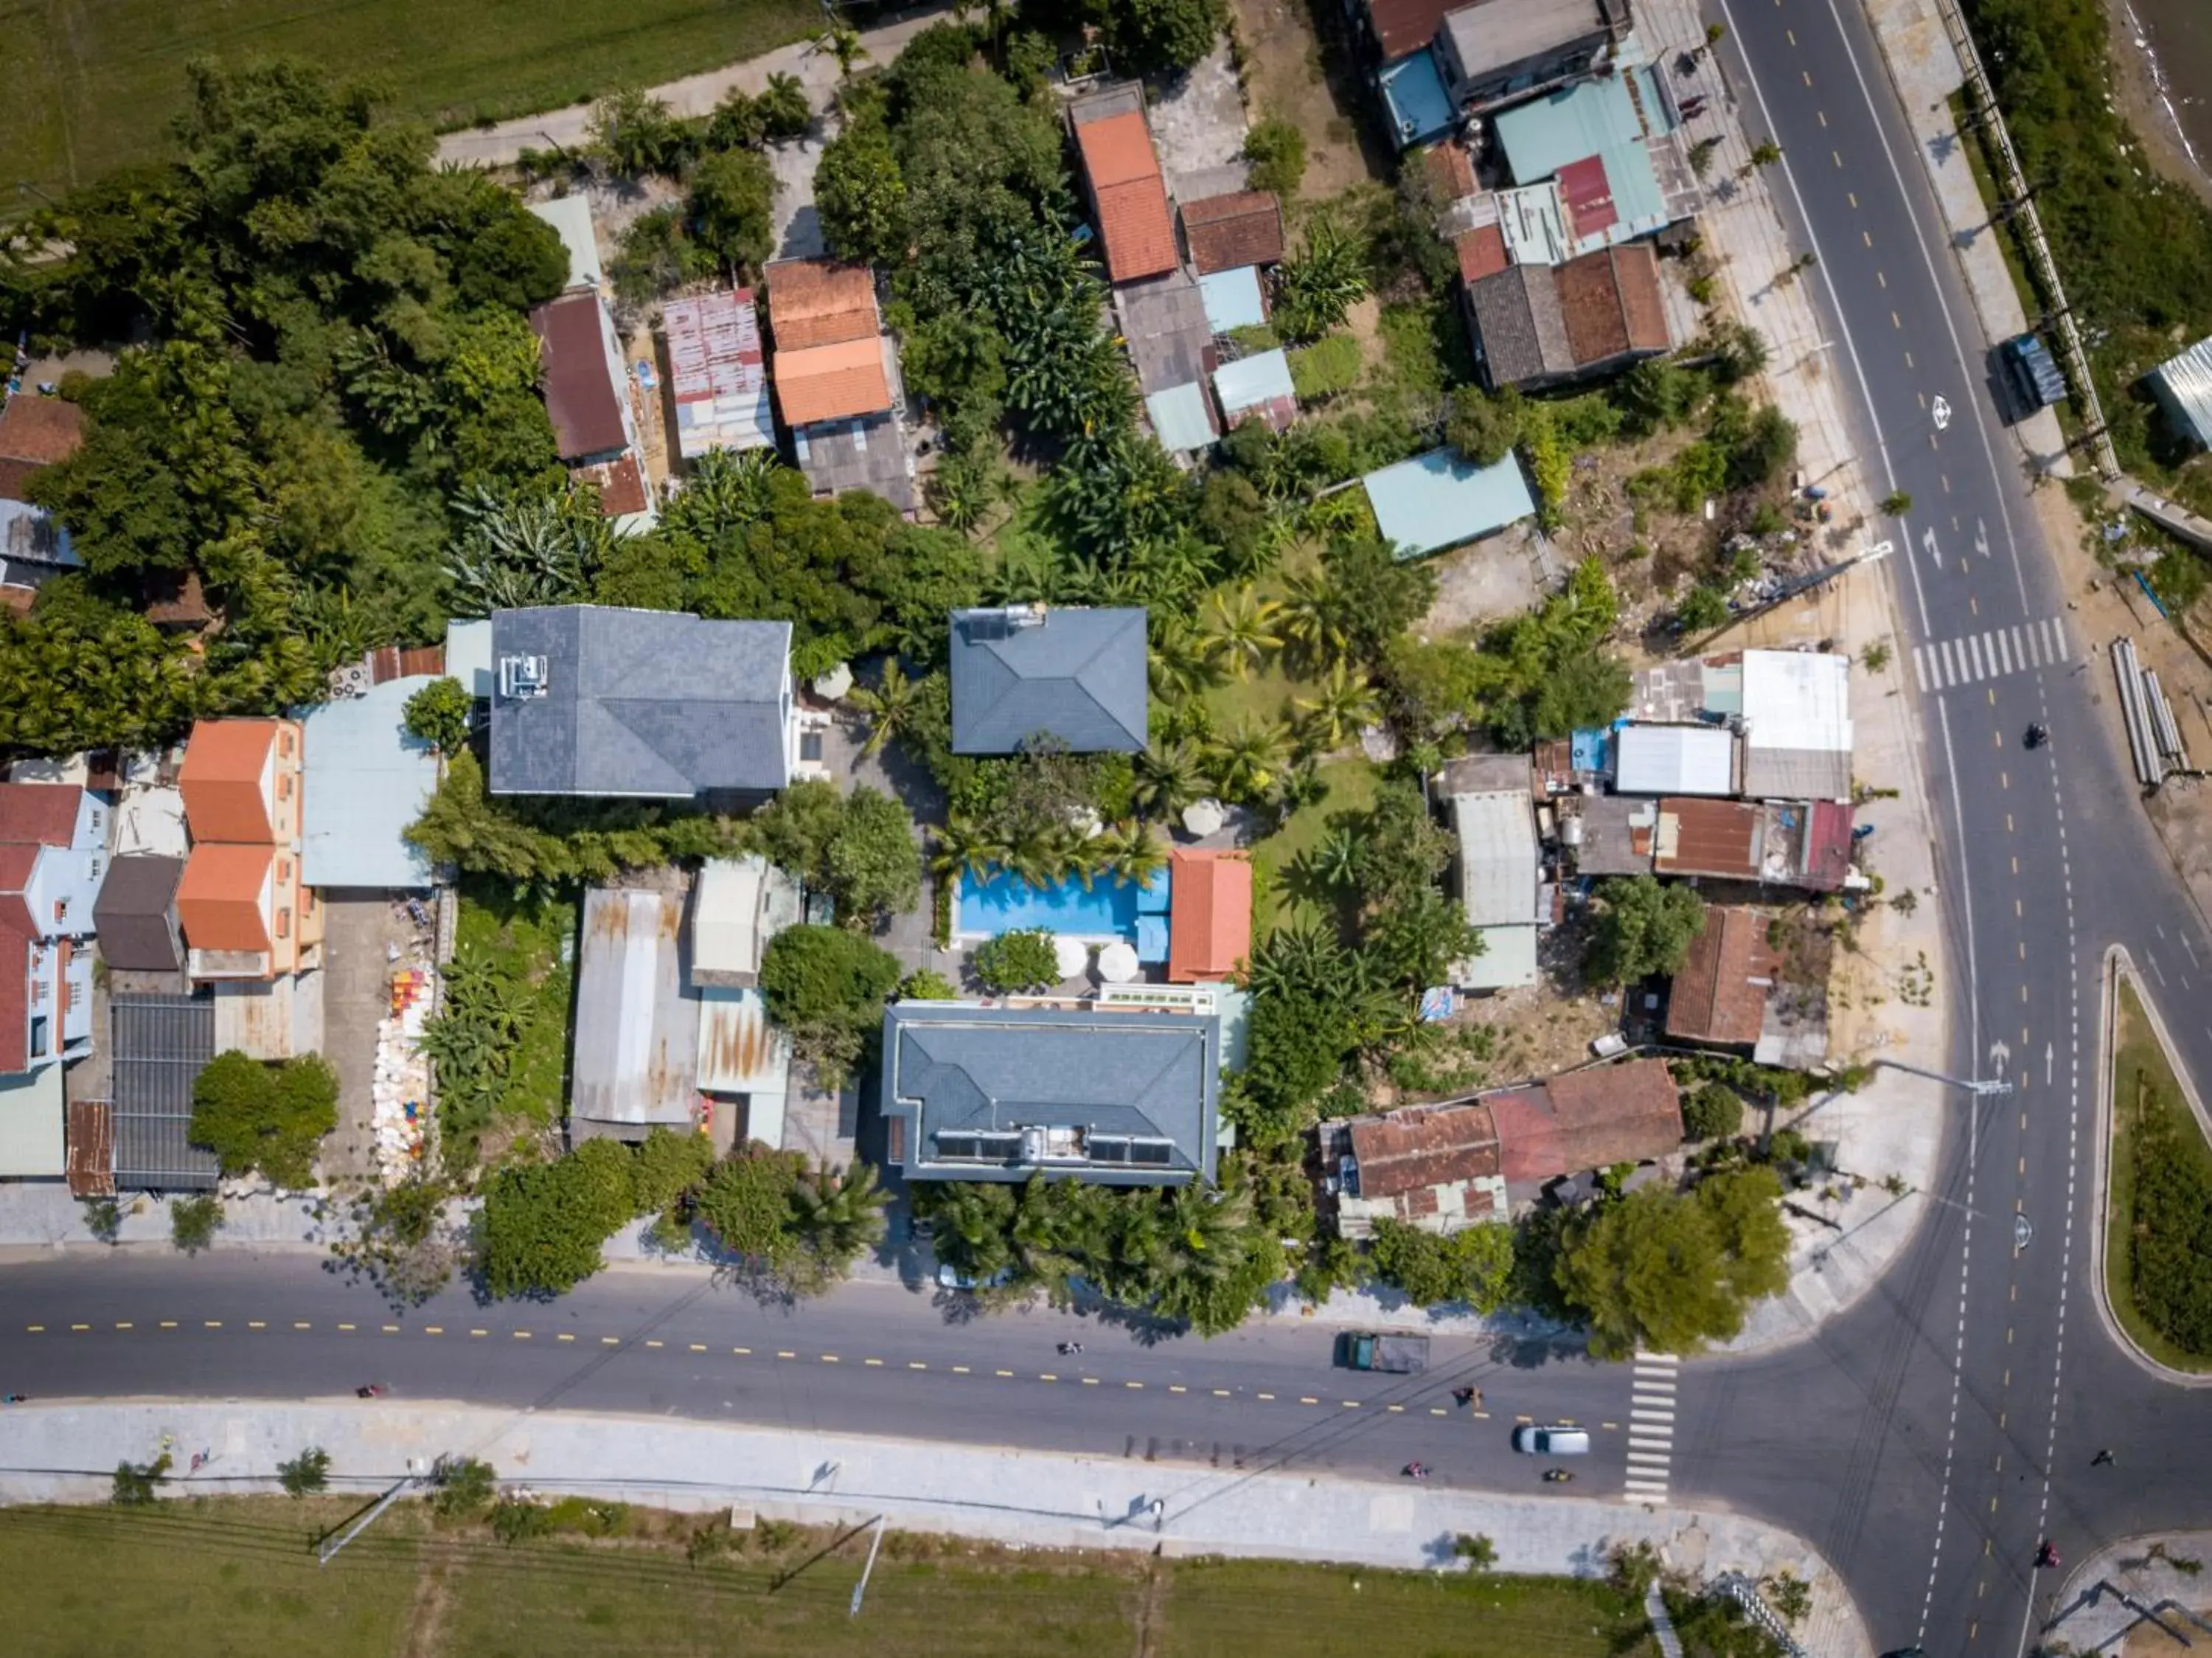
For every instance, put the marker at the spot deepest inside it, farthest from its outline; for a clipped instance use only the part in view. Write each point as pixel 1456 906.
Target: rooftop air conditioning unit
pixel 523 676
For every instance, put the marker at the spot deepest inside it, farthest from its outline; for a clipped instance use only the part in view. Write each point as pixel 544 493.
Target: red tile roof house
pixel 1719 998
pixel 1443 1166
pixel 833 369
pixel 54 853
pixel 586 395
pixel 1128 197
pixel 35 432
pixel 1209 915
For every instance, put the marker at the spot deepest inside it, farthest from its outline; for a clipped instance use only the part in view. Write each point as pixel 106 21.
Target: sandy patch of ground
pixel 1290 72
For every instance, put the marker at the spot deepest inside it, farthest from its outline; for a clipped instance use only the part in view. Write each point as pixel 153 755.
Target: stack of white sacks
pixel 400 1089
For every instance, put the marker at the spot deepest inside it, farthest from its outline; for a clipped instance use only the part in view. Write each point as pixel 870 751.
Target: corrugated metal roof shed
pixel 1232 298
pixel 718 374
pixel 158 1046
pixel 1508 960
pixel 1258 385
pixel 2183 386
pixel 1499 862
pixel 1438 500
pixel 1586 119
pixel 1675 759
pixel 1181 417
pixel 91 1149
pixel 637 1033
pixel 1414 99
pixel 366 780
pixel 1717 837
pixel 33 1117
pixel 740 1050
pixel 1797 725
pixel 737 905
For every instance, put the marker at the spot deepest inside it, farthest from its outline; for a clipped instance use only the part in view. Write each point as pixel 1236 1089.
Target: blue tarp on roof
pixel 1438 500
pixel 1181 417
pixel 1587 750
pixel 1232 299
pixel 1414 97
pixel 365 781
pixel 1586 119
pixel 1252 382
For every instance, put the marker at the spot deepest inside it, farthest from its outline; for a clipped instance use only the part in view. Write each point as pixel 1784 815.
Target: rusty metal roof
pixel 1406 1151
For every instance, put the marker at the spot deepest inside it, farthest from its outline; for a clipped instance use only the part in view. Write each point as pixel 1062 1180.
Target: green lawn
pixel 238 1578
pixel 96 82
pixel 1351 789
pixel 2143 1081
pixel 535 943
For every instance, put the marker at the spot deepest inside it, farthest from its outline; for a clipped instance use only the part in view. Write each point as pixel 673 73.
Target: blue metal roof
pixel 1586 119
pixel 1232 299
pixel 1181 417
pixel 1254 381
pixel 365 781
pixel 1438 500
pixel 1413 94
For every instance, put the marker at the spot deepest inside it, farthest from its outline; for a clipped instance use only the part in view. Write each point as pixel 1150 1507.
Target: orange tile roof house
pixel 1128 197
pixel 1209 914
pixel 1720 996
pixel 834 370
pixel 245 912
pixel 35 432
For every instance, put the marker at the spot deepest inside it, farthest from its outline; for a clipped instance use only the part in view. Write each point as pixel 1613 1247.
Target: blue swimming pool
pixel 997 902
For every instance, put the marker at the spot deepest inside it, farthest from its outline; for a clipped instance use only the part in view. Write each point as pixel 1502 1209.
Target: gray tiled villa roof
pixel 1131 1092
pixel 643 703
pixel 1025 672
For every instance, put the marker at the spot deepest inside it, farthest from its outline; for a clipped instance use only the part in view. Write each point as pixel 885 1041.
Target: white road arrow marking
pixel 2000 1056
pixel 1942 412
pixel 1928 546
pixel 1981 538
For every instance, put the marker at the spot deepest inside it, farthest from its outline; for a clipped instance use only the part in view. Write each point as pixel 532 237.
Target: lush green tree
pixel 400 1241
pixel 1322 281
pixel 784 109
pixel 656 255
pixel 306 1474
pixel 927 985
pixel 889 703
pixel 731 205
pixel 1149 37
pixel 873 869
pixel 137 1483
pixel 665 1166
pixel 1703 608
pixel 439 715
pixel 826 987
pixel 1655 394
pixel 79 673
pixel 746 1203
pixel 1277 149
pixel 193 1222
pixel 836 1216
pixel 542 1225
pixel 1473 1265
pixel 1024 959
pixel 464 1487
pixel 1643 928
pixel 1712 1112
pixel 1661 1271
pixel 1484 426
pixel 860 194
pixel 255 1116
pixel 638 133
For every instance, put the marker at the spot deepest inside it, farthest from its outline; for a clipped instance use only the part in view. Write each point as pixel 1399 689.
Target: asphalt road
pixel 874 1358
pixel 1926 1440
pixel 1929 1439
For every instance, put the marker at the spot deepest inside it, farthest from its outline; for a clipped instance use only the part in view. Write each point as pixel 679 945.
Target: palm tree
pixel 1241 637
pixel 841 41
pixel 1343 702
pixel 1181 663
pixel 890 704
pixel 970 1221
pixel 1313 618
pixel 784 107
pixel 839 1212
pixel 1336 861
pixel 1169 779
pixel 963 845
pixel 1129 852
pixel 1246 759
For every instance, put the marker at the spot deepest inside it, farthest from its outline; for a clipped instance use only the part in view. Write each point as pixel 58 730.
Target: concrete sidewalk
pixel 1888 993
pixel 2133 1583
pixel 1032 1498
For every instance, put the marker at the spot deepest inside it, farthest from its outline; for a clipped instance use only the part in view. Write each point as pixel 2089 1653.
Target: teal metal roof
pixel 1232 299
pixel 1438 500
pixel 1253 382
pixel 1639 207
pixel 1586 119
pixel 1179 416
pixel 365 781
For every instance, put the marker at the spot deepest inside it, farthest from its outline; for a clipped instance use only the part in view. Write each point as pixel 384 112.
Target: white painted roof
pixel 1797 699
pixel 1498 864
pixel 1675 759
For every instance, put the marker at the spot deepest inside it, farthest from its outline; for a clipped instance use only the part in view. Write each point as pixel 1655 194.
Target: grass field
pixel 2143 1081
pixel 238 1578
pixel 96 82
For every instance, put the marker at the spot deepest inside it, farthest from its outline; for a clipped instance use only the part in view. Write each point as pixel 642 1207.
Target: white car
pixel 952 1277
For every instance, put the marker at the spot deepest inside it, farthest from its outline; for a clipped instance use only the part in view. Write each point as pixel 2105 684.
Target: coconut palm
pixel 970 1219
pixel 1169 779
pixel 839 1213
pixel 965 845
pixel 1242 636
pixel 1128 852
pixel 1343 703
pixel 1313 619
pixel 1335 862
pixel 1182 664
pixel 784 107
pixel 890 704
pixel 1298 787
pixel 1247 757
pixel 841 41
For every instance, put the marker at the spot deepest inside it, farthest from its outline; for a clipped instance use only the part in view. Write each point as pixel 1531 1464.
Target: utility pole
pixel 329 1551
pixel 860 1588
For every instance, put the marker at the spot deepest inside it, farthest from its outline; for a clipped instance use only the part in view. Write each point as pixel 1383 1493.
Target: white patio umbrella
pixel 1073 955
pixel 1117 963
pixel 1204 817
pixel 834 684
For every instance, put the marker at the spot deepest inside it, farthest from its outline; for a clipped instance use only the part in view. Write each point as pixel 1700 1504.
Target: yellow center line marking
pixel 2015 903
pixel 301 1323
pixel 610 1341
pixel 745 1352
pixel 1808 74
pixel 346 1327
pixel 1008 1374
pixel 827 1358
pixel 1090 1381
pixel 1308 1399
pixel 251 1324
pixel 1823 114
pixel 1895 321
pixel 212 1324
pixel 1867 236
pixel 1047 1375
pixel 915 1364
pixel 1133 1384
pixel 2008 829
pixel 1395 1409
pixel 1221 1392
pixel 2005 779
pixel 1482 1415
pixel 35 1329
pixel 1974 604
pixel 122 1324
pixel 434 1329
pixel 521 1335
pixel 1270 1398
pixel 784 1353
pixel 1613 1425
pixel 1177 1387
pixel 1790 35
pixel 1838 154
pixel 698 1346
pixel 1524 1418
pixel 959 1370
pixel 873 1364
pixel 169 1324
pixel 480 1332
pixel 1853 196
pixel 87 1327
pixel 564 1336
pixel 1993 697
pixel 1908 359
pixel 1436 1410
pixel 1947 482
pixel 391 1329
pixel 1351 1405
pixel 2023 950
pixel 1882 280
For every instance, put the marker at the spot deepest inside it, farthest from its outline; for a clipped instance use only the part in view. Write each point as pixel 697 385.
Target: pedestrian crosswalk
pixel 1991 655
pixel 1650 1427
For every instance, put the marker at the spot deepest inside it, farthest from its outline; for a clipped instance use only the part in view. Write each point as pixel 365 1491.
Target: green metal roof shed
pixel 1438 500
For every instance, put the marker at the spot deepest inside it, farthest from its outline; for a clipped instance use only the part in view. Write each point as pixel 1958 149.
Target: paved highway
pixel 1929 1439
pixel 1925 1441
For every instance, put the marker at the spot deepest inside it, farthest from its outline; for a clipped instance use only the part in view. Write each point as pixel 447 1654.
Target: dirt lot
pixel 362 932
pixel 1283 61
